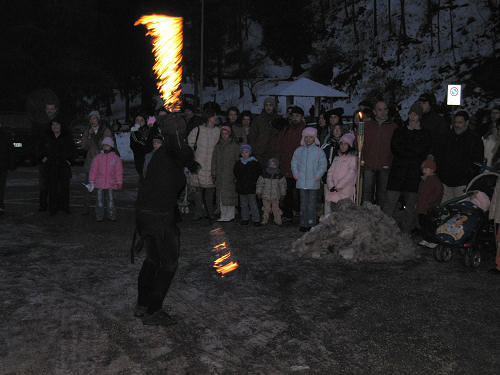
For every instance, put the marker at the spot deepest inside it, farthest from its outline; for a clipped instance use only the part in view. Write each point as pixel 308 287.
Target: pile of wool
pixel 356 234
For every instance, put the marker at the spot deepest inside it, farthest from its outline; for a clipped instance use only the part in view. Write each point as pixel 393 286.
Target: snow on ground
pixel 68 291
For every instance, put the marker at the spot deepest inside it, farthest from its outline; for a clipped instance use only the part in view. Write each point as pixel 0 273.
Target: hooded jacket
pixel 106 171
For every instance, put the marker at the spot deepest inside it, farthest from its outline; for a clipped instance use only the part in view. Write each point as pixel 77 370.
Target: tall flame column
pixel 167 48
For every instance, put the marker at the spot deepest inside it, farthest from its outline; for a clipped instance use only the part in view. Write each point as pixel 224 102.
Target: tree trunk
pixel 354 26
pixel 452 41
pixel 429 22
pixel 439 25
pixel 375 29
pixel 389 17
pixel 402 31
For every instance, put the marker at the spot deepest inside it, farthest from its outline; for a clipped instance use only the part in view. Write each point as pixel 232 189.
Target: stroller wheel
pixel 475 258
pixel 438 253
pixel 446 253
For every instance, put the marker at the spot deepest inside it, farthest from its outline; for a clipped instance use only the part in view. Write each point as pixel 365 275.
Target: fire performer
pixel 156 209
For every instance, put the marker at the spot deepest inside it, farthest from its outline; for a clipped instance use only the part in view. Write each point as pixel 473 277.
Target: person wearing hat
pixel 377 156
pixel 343 173
pixel 262 135
pixel 429 194
pixel 308 166
pixel 431 121
pixel 456 155
pixel 410 146
pixel 226 154
pixel 91 142
pixel 247 170
pixel 288 140
pixel 106 175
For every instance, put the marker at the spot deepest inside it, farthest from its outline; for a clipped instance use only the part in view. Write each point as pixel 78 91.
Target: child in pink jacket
pixel 342 175
pixel 106 175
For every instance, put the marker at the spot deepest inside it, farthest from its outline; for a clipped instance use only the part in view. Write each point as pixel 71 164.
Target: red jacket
pixel 430 193
pixel 377 144
pixel 287 142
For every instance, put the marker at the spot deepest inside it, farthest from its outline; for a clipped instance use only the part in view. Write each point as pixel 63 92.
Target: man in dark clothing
pixel 40 130
pixel 262 135
pixel 156 208
pixel 431 121
pixel 7 161
pixel 456 154
pixel 287 142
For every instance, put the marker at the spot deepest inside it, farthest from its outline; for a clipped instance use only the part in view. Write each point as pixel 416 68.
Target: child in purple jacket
pixel 106 175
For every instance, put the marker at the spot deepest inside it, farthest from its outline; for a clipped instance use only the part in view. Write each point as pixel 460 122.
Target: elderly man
pixel 457 152
pixel 377 156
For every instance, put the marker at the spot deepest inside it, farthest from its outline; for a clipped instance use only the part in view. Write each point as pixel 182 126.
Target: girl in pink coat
pixel 106 175
pixel 341 177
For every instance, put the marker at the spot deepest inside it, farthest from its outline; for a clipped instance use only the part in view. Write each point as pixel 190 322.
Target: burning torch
pixel 360 140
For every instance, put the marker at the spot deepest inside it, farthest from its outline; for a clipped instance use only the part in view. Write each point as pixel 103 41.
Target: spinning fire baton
pixel 167 48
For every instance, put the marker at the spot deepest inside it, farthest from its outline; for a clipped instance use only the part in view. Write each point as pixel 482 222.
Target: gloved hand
pixel 118 186
pixel 282 198
pixel 259 196
pixel 151 120
pixel 44 159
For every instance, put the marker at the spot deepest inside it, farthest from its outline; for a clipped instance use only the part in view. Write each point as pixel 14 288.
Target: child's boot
pixel 265 218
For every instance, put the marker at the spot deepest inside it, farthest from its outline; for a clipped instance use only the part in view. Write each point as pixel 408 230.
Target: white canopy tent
pixel 306 88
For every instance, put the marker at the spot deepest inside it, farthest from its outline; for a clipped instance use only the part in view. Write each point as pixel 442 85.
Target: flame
pixel 360 115
pixel 167 48
pixel 224 261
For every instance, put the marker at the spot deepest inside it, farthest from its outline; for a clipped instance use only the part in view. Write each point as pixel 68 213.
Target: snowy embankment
pixel 356 234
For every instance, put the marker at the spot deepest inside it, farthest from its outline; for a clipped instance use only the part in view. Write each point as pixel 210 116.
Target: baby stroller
pixel 472 231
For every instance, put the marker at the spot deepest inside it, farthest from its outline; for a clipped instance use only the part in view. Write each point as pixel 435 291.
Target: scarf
pixel 247 160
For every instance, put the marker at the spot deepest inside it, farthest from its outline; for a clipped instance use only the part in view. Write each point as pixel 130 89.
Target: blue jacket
pixel 308 166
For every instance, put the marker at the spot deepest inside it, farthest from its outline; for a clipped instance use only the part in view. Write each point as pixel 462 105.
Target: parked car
pixel 19 126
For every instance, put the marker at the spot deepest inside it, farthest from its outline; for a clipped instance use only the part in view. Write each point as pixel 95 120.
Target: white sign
pixel 454 93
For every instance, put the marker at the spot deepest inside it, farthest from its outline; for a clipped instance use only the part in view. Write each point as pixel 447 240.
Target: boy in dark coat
pixel 247 170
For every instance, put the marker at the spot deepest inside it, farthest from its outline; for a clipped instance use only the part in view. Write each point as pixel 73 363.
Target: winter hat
pixel 427 97
pixel 481 200
pixel 159 137
pixel 269 100
pixel 245 147
pixel 417 109
pixel 431 164
pixel 311 132
pixel 275 161
pixel 226 128
pixel 96 114
pixel 348 138
pixel 297 109
pixel 108 141
pixel 336 111
pixel 151 120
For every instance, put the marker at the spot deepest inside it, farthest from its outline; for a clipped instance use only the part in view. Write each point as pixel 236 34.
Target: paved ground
pixel 68 290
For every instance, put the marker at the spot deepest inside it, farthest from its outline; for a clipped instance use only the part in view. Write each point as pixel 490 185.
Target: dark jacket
pixel 456 155
pixel 436 126
pixel 7 156
pixel 59 153
pixel 246 176
pixel 262 137
pixel 377 144
pixel 162 184
pixel 409 149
